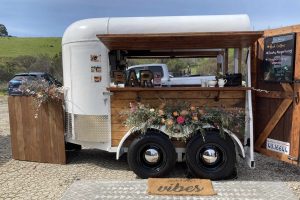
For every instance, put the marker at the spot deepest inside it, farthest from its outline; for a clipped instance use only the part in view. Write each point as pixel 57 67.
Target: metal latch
pixel 108 93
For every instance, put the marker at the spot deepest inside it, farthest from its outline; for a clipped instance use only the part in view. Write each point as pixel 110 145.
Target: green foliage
pixel 181 120
pixel 41 92
pixel 19 55
pixel 3 30
pixel 21 64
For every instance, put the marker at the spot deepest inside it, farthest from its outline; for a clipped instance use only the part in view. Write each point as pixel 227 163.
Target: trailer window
pixel 153 69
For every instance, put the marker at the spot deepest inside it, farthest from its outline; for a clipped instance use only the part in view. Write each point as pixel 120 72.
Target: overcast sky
pixel 32 18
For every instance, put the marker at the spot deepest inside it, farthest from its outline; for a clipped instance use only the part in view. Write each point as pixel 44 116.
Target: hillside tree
pixel 3 30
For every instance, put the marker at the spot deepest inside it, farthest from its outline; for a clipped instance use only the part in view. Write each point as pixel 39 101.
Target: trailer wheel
pixel 213 158
pixel 151 155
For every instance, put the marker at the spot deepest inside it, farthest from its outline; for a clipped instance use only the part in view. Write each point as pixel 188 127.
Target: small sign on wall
pixel 278 146
pixel 95 68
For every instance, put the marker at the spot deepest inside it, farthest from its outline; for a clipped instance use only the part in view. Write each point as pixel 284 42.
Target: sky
pixel 50 18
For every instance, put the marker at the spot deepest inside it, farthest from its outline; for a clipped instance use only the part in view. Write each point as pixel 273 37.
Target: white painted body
pixel 88 102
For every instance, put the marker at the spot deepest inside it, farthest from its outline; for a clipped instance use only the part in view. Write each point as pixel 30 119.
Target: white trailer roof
pixel 86 30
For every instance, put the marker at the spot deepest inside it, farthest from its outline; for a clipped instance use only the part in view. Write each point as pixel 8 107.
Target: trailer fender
pixel 237 143
pixel 120 149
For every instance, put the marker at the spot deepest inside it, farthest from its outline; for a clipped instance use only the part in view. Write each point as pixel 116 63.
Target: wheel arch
pixel 236 141
pixel 121 148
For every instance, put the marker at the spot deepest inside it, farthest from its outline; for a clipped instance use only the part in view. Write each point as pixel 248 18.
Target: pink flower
pixel 180 120
pixel 132 107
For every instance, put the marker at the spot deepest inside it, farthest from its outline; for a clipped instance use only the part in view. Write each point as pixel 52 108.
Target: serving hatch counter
pixel 226 97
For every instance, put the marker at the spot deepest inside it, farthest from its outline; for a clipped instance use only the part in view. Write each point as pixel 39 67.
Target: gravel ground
pixel 31 180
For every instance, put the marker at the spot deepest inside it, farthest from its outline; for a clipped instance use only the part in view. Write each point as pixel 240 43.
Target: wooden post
pixel 295 130
pixel 226 60
pixel 236 60
pixel 240 53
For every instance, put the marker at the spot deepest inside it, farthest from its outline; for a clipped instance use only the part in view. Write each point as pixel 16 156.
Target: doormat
pixel 175 186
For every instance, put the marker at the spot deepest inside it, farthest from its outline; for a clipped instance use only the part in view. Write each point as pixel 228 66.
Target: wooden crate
pixel 36 139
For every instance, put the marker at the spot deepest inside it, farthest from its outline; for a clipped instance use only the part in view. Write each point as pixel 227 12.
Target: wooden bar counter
pixel 226 97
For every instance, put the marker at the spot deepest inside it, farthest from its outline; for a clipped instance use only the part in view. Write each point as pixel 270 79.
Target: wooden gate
pixel 276 110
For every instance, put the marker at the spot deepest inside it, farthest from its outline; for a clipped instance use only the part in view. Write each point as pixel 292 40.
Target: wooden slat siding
pixel 276 155
pixel 28 137
pixel 288 128
pixel 41 139
pixel 46 133
pixel 120 102
pixel 20 125
pixel 168 54
pixel 287 87
pixel 35 146
pixel 141 89
pixel 174 95
pixel 273 122
pixel 283 30
pixel 13 128
pixel 179 40
pixel 275 95
pixel 59 116
pixel 52 142
pixel 295 130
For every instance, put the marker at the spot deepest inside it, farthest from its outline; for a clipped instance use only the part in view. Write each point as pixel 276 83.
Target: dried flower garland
pixel 181 120
pixel 41 91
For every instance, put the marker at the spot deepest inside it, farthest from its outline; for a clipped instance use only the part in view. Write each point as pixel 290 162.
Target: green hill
pixel 11 47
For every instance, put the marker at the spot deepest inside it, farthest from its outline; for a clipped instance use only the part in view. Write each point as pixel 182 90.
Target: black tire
pixel 72 147
pixel 136 155
pixel 222 147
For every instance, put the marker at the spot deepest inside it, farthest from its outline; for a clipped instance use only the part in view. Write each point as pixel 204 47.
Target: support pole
pixel 236 60
pixel 226 60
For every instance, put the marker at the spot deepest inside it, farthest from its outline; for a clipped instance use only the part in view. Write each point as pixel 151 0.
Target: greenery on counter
pixel 180 120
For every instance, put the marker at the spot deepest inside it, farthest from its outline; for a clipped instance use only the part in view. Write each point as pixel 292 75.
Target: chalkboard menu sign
pixel 279 58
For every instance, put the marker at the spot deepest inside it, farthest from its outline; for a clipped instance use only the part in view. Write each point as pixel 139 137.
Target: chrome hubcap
pixel 210 156
pixel 151 156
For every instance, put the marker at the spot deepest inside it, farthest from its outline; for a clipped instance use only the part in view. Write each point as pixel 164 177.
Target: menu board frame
pixel 271 51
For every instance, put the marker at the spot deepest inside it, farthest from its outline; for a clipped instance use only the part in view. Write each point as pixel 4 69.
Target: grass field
pixel 12 47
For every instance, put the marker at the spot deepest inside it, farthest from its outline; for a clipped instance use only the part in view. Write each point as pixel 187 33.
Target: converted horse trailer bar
pixel 93 48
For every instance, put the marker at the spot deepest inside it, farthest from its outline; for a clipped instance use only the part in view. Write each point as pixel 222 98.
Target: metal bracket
pixel 108 93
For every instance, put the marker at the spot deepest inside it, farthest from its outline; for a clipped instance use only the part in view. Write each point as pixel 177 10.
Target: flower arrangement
pixel 181 120
pixel 41 91
pixel 220 75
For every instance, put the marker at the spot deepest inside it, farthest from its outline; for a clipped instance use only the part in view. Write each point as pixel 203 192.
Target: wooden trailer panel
pixel 197 96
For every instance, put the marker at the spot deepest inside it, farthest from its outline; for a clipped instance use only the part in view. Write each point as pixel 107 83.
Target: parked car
pixel 15 83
